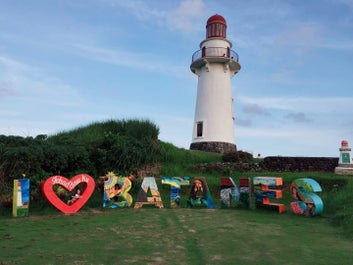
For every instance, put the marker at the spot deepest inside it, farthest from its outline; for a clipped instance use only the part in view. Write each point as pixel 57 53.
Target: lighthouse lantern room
pixel 214 64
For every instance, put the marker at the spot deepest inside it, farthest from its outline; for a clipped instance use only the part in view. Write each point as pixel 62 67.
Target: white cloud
pixel 7 64
pixel 266 132
pixel 6 92
pixel 291 141
pixel 182 18
pixel 140 9
pixel 255 109
pixel 30 83
pixel 115 56
pixel 243 122
pixel 185 16
pixel 304 104
pixel 298 117
pixel 302 35
pixel 144 61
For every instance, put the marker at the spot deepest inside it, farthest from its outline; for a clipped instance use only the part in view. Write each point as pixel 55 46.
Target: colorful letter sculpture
pixel 175 186
pixel 20 205
pixel 308 203
pixel 116 191
pixel 200 194
pixel 149 194
pixel 229 191
pixel 245 192
pixel 82 184
pixel 263 189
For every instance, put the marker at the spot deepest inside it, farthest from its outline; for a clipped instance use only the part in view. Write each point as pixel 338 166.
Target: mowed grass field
pixel 172 236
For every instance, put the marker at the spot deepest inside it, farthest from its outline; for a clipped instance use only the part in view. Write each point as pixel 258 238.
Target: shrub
pixel 339 208
pixel 120 146
pixel 238 156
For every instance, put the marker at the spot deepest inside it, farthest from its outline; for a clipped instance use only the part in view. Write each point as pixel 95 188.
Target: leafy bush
pixel 120 146
pixel 339 207
pixel 238 156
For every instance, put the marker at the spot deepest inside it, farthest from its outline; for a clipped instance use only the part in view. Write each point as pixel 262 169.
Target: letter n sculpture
pixel 229 192
pixel 245 192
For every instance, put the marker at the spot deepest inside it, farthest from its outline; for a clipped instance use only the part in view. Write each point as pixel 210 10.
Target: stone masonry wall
pixel 216 147
pixel 299 164
pixel 275 164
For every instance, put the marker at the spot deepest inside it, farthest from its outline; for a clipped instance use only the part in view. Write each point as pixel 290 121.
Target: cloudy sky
pixel 66 64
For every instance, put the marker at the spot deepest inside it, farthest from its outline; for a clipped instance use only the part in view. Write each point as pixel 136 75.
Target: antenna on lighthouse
pixel 214 64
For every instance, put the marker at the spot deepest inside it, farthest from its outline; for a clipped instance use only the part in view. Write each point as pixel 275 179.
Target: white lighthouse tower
pixel 214 64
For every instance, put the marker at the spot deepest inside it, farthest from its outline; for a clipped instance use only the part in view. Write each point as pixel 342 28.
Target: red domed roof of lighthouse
pixel 344 143
pixel 216 18
pixel 216 27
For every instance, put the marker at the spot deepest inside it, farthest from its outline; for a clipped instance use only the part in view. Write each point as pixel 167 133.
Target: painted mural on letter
pixel 266 188
pixel 200 194
pixel 229 192
pixel 175 186
pixel 20 206
pixel 307 202
pixel 149 194
pixel 116 191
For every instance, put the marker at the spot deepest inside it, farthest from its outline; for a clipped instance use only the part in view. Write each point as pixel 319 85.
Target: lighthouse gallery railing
pixel 215 52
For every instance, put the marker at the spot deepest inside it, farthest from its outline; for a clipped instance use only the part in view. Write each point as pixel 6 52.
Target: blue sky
pixel 66 64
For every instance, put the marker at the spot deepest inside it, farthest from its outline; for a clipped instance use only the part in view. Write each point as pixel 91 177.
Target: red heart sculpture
pixel 69 185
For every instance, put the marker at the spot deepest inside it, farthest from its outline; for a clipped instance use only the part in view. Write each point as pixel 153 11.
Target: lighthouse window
pixel 199 127
pixel 218 30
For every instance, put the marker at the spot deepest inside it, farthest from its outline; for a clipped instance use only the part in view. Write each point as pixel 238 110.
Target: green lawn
pixel 172 236
pixel 185 236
